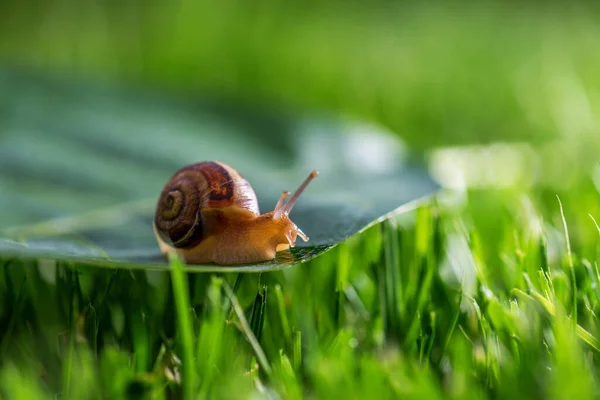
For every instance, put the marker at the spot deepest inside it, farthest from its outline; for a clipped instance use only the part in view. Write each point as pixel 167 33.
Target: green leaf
pixel 82 166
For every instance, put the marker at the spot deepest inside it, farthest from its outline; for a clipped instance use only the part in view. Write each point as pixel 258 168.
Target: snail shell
pixel 207 184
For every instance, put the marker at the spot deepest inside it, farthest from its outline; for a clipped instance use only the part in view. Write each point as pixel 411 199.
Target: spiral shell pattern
pixel 178 216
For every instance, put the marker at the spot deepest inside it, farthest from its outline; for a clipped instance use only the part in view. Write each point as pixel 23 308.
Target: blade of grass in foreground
pixel 212 340
pixel 570 260
pixel 260 354
pixel 257 318
pixel 285 325
pixel 182 303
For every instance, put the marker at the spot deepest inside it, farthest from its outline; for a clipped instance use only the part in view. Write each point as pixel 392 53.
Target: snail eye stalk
pixel 281 208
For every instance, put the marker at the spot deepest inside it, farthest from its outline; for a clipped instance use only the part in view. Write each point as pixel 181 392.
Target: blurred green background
pixel 435 73
pixel 504 97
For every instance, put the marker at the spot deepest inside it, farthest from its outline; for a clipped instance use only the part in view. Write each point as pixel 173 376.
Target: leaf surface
pixel 82 166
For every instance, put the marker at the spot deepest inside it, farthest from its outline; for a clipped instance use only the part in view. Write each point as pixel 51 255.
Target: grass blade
pixel 454 320
pixel 257 318
pixel 260 354
pixel 297 350
pixel 184 325
pixel 570 260
pixel 285 325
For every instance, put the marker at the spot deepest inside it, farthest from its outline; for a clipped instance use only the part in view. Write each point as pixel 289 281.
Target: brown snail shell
pixel 208 212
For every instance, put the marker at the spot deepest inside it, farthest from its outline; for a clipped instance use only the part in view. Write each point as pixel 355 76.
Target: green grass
pixel 489 293
pixel 426 305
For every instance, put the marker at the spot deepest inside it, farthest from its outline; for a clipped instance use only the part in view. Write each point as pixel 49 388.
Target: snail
pixel 208 213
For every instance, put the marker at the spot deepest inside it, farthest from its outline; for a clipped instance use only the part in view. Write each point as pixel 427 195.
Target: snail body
pixel 208 213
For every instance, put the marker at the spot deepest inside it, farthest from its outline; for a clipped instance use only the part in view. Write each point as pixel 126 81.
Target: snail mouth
pixel 302 235
pixel 293 233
